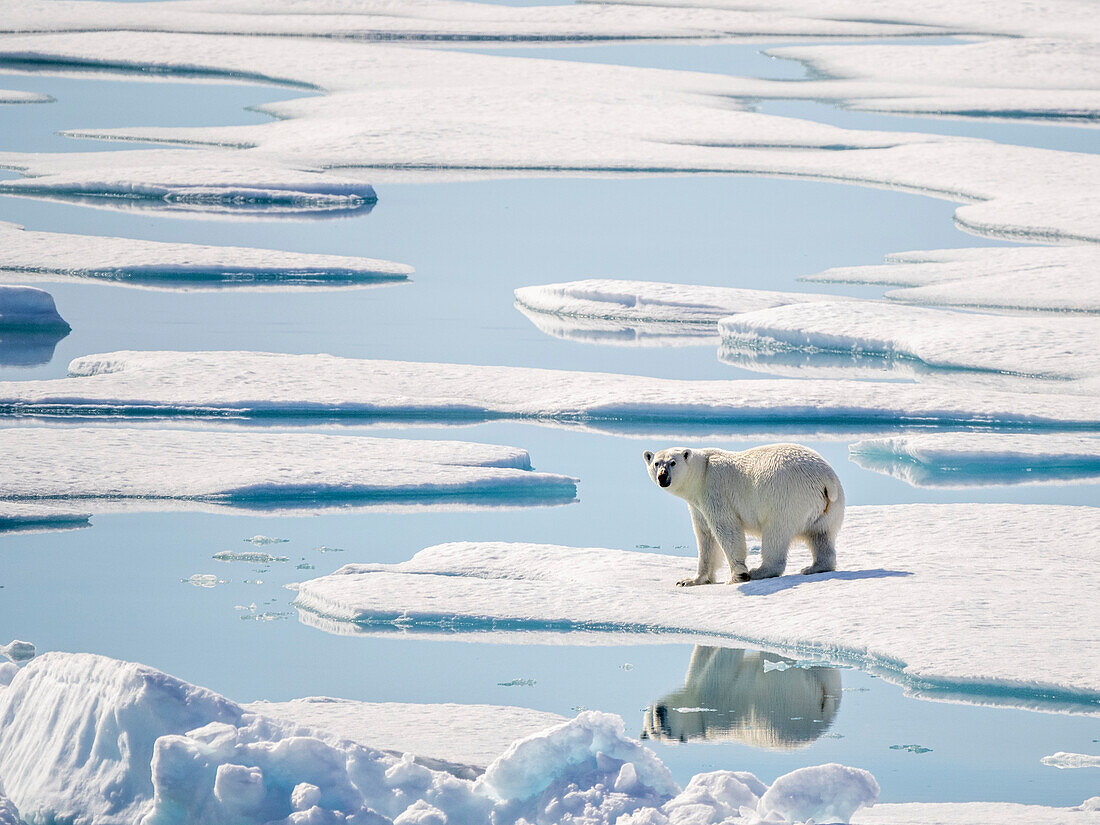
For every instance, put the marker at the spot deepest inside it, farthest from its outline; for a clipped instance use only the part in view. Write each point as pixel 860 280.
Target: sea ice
pixel 642 312
pixel 19 96
pixel 190 755
pixel 26 307
pixel 35 516
pixel 134 262
pixel 1058 351
pixel 122 467
pixel 980 459
pixel 1071 760
pixel 910 617
pixel 825 793
pixel 256 558
pixel 274 384
pixel 18 651
pixel 1034 278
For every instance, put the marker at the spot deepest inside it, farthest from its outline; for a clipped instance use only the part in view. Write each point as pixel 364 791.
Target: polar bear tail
pixel 832 492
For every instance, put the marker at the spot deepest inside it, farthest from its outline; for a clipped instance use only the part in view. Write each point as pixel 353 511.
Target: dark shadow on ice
pixel 29 347
pixel 747 696
pixel 765 587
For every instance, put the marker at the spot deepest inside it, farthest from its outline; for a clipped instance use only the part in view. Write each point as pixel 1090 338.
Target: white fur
pixel 779 492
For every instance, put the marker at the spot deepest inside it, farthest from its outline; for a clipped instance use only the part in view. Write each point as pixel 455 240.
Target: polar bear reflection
pixel 780 708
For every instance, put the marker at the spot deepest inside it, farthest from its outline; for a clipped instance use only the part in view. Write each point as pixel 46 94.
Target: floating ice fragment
pixel 696 710
pixel 324 548
pixel 204 580
pixel 261 558
pixel 780 665
pixel 18 651
pixel 1063 760
pixel 305 566
pixel 626 666
pixel 911 748
pixel 262 540
pixel 518 683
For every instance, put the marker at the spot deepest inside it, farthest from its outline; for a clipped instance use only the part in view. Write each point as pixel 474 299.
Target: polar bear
pixel 779 492
pixel 746 696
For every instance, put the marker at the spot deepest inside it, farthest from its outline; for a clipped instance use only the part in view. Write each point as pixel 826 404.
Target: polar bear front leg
pixel 708 551
pixel 731 536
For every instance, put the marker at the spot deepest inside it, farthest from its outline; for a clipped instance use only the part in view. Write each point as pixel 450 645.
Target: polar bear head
pixel 678 470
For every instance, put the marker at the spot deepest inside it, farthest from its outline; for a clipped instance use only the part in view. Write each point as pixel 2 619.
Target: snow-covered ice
pixel 27 307
pixel 19 96
pixel 603 310
pixel 1065 760
pixel 1038 278
pixel 950 600
pixel 102 741
pixel 121 467
pixel 35 516
pixel 274 384
pixel 462 734
pixel 1058 351
pixel 981 459
pixel 127 261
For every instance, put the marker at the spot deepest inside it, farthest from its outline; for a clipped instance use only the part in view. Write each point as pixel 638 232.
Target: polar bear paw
pixel 813 568
pixel 739 577
pixel 693 581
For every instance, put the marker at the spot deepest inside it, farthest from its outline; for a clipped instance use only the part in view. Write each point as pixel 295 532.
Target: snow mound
pixel 911 620
pixel 259 471
pixel 257 384
pixel 27 307
pixel 34 517
pixel 475 734
pixel 1030 278
pixel 178 265
pixel 928 341
pixel 980 459
pixel 824 793
pixel 104 741
pixel 1064 760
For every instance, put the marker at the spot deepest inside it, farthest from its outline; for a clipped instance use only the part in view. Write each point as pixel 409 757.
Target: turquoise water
pixel 119 587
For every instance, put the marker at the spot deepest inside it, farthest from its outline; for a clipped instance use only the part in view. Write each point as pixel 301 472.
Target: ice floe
pixel 188 754
pixel 146 468
pixel 24 307
pixel 461 734
pixel 603 310
pixel 18 96
pixel 385 108
pixel 981 459
pixel 882 337
pixel 1061 279
pixel 953 601
pixel 257 384
pixel 34 517
pixel 174 265
pixel 1063 760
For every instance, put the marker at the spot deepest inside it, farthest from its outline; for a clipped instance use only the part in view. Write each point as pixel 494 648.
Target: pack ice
pixel 981 459
pixel 96 740
pixel 273 384
pixel 144 468
pixel 952 601
pixel 175 265
pixel 603 310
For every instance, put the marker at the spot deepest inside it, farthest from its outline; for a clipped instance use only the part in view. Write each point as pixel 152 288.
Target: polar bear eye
pixel 672 464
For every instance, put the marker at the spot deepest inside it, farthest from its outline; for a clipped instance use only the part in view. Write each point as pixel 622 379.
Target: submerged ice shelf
pixel 904 603
pixel 56 255
pixel 981 459
pixel 258 384
pixel 255 471
pixel 36 516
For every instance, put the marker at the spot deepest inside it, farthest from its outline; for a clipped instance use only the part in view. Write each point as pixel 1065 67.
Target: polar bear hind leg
pixel 775 541
pixel 823 549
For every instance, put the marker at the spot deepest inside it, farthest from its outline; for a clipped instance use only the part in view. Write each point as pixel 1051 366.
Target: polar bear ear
pixel 648 456
pixel 687 454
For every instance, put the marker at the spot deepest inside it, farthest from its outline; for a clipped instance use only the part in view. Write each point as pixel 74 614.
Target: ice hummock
pixel 259 384
pixel 121 467
pixel 909 618
pixel 24 307
pixel 981 459
pixel 128 261
pixel 105 741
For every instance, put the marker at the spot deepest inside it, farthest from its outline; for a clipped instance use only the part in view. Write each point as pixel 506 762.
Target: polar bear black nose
pixel 663 477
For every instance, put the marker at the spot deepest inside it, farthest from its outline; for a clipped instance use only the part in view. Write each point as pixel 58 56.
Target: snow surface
pixel 259 470
pixel 463 734
pixel 647 313
pixel 1033 278
pixel 968 610
pixel 1057 350
pixel 174 265
pixel 24 307
pixel 34 517
pixel 386 107
pixel 1063 760
pixel 980 459
pixel 970 813
pixel 97 740
pixel 267 384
